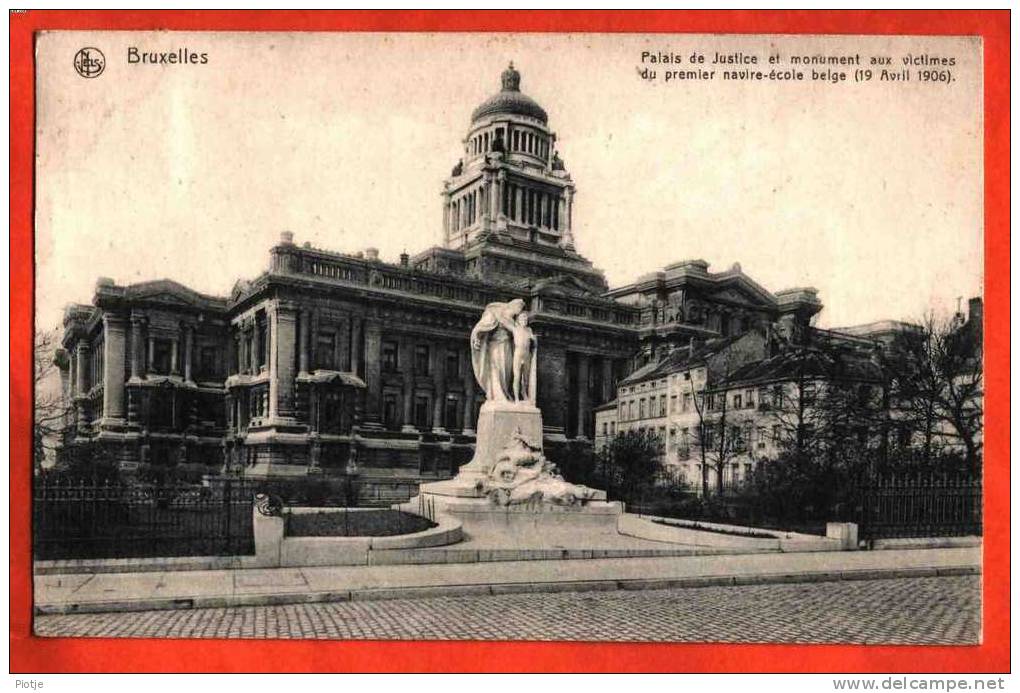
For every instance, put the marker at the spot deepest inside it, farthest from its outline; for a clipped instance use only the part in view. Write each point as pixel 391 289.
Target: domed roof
pixel 510 100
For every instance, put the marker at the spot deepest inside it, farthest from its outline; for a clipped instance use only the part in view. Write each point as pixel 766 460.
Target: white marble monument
pixel 508 467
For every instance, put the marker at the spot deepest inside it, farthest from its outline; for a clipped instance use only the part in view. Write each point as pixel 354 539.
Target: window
pixel 736 438
pixel 749 399
pixel 612 428
pixel 161 355
pixel 453 364
pixel 736 401
pixel 777 396
pixel 662 405
pixel 161 409
pixel 687 401
pixel 633 412
pixel 777 433
pixel 207 362
pixel 263 343
pixel 761 436
pixel 450 419
pixel 708 437
pixel 763 397
pixel 332 416
pixel 421 413
pixel 809 394
pixel 605 429
pixel 672 404
pixel 390 362
pixel 325 349
pixel 709 402
pixel 421 359
pixel 641 408
pixel 390 412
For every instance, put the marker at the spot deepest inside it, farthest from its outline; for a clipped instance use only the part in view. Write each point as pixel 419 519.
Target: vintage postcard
pixel 472 336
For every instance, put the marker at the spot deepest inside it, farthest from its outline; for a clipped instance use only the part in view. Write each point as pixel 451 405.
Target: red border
pixel 30 654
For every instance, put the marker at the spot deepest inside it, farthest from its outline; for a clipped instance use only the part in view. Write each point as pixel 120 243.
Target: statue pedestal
pixel 497 422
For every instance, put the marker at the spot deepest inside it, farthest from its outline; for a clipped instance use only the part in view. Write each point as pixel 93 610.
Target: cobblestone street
pixel 940 610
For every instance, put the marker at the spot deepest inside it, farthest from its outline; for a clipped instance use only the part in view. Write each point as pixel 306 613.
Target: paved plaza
pixel 929 610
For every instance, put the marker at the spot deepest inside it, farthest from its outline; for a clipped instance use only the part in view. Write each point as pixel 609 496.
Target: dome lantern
pixel 510 100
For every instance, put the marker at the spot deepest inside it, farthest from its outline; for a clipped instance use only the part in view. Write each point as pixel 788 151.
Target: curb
pixel 427 592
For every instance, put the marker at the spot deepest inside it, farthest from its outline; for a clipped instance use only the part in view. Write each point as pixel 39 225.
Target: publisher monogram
pixel 89 62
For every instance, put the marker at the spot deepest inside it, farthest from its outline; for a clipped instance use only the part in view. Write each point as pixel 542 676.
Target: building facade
pixel 330 362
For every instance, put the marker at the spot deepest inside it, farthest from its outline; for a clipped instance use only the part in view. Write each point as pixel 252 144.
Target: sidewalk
pixel 219 588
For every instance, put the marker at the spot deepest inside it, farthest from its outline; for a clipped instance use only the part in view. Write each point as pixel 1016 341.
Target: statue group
pixel 503 351
pixel 514 471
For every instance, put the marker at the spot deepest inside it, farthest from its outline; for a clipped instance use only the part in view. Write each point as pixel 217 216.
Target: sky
pixel 872 193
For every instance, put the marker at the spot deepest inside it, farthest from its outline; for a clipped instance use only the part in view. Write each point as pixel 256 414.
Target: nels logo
pixel 89 62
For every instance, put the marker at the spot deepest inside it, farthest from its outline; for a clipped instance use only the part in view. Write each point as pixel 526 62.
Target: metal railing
pixel 922 504
pixel 73 520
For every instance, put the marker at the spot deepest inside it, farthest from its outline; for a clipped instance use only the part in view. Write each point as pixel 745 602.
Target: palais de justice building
pixel 330 361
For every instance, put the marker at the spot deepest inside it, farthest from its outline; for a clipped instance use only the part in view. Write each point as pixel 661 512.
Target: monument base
pixel 498 422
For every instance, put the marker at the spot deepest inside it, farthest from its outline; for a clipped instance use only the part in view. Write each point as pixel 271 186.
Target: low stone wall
pixel 273 549
pixel 645 527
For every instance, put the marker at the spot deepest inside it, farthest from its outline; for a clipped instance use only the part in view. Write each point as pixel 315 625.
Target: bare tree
pixel 940 384
pixel 51 410
pixel 712 420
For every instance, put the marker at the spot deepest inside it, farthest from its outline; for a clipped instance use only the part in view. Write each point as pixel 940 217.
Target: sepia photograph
pixel 560 337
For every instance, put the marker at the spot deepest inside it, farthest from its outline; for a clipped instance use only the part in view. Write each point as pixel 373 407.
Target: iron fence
pixel 922 504
pixel 79 520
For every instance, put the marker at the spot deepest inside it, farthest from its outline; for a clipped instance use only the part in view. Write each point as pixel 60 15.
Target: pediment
pixel 167 298
pixel 740 295
pixel 167 292
pixel 562 285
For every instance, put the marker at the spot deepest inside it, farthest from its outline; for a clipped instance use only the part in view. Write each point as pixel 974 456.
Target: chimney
pixel 975 311
pixel 372 254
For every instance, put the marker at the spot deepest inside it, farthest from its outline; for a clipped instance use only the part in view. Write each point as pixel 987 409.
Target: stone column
pixel 189 347
pixel 583 396
pixel 439 385
pixel 304 329
pixel 81 364
pixel 238 365
pixel 469 395
pixel 446 216
pixel 407 347
pixel 175 368
pixel 552 386
pixel 281 321
pixel 373 379
pixel 608 386
pixel 485 208
pixel 81 355
pixel 137 355
pixel 498 210
pixel 565 218
pixel 357 344
pixel 114 351
pixel 256 346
